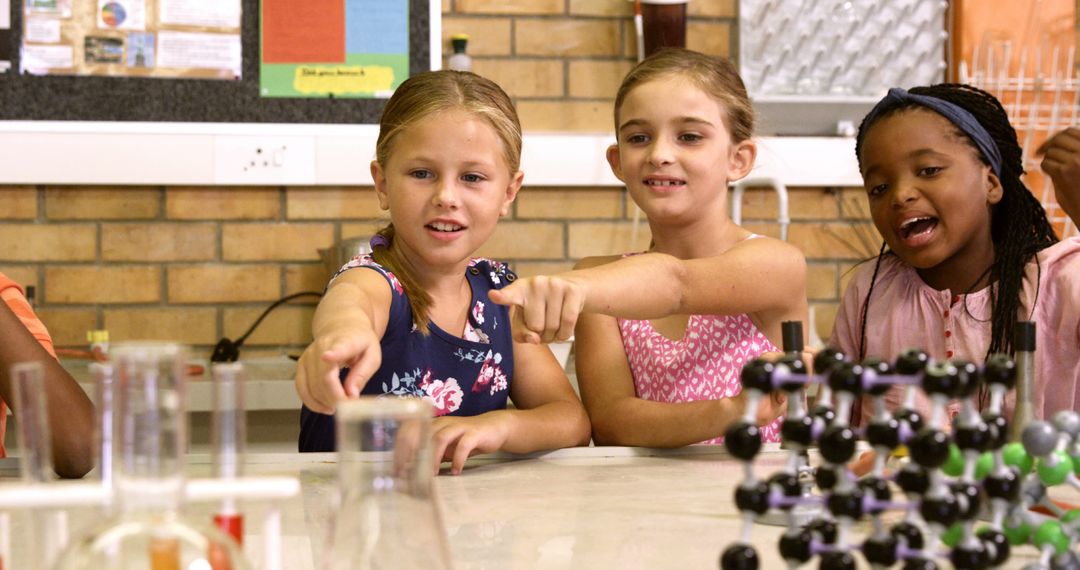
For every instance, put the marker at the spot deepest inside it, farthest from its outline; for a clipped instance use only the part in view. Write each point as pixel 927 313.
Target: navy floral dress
pixel 459 376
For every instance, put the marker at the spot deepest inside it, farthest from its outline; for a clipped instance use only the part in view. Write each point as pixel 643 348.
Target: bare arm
pixel 71 414
pixel 547 415
pixel 550 415
pixel 349 322
pixel 1061 161
pixel 755 275
pixel 763 277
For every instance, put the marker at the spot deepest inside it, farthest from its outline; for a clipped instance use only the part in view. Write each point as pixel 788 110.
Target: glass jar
pixel 388 515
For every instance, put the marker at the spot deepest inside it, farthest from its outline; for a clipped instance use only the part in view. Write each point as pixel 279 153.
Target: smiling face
pixel 675 152
pixel 446 183
pixel 930 196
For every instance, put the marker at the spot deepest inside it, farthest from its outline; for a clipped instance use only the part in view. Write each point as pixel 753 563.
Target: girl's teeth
pixel 916 226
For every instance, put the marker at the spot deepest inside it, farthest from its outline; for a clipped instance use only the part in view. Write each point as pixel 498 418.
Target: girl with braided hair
pixel 967 250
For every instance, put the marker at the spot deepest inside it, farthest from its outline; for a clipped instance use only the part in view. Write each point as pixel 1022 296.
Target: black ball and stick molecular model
pixel 952 479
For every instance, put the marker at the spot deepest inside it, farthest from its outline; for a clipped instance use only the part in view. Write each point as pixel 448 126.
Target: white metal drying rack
pixel 1040 102
pixel 62 495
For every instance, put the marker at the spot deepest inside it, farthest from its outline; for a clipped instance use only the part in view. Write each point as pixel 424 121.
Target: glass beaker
pixel 150 438
pixel 388 514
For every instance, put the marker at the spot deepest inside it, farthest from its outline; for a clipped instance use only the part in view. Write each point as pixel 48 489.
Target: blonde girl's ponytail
pixel 390 258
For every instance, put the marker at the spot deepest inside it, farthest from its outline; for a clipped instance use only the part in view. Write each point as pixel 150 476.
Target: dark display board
pixel 87 98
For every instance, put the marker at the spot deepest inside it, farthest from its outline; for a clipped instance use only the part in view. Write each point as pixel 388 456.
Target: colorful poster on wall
pixel 5 36
pixel 333 48
pixel 137 38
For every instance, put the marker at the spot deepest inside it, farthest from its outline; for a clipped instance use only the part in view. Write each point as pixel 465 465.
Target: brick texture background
pixel 194 264
pixel 562 60
pixel 152 265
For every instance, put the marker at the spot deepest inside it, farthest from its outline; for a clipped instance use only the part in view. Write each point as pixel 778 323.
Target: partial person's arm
pixel 546 415
pixel 1061 161
pixel 620 417
pixel 71 414
pixel 348 325
pixel 755 276
pixel 765 278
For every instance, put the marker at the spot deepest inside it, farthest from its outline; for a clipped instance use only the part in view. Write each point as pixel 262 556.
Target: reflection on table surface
pixel 597 507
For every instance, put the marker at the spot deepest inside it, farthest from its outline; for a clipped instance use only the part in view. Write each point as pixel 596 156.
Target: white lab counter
pixel 599 507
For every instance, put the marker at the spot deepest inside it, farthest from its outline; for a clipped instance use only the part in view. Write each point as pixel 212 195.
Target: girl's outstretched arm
pixel 756 276
pixel 620 417
pixel 547 415
pixel 349 322
pixel 1061 160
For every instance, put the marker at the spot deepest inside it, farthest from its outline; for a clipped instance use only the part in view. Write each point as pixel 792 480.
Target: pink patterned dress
pixel 703 365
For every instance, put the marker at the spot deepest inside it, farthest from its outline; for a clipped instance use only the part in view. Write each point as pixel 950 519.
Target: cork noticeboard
pixel 100 98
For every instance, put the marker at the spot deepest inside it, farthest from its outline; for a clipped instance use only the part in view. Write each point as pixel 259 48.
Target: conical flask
pixel 149 439
pixel 388 515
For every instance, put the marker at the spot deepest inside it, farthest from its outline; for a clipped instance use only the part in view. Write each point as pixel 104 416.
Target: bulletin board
pixel 132 38
pixel 95 98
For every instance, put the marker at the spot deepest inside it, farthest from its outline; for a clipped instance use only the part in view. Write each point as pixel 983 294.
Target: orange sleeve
pixel 12 294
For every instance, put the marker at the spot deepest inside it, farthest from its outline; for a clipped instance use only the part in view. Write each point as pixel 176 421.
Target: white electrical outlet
pixel 264 159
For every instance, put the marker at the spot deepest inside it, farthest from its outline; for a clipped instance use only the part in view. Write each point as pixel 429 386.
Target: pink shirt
pixel 703 365
pixel 907 313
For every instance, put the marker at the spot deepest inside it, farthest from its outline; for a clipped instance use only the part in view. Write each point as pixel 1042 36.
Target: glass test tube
pixel 150 430
pixel 148 476
pixel 104 403
pixel 34 438
pixel 35 463
pixel 228 428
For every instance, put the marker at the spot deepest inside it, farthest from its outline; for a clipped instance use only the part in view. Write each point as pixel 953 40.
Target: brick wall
pixel 562 60
pixel 195 264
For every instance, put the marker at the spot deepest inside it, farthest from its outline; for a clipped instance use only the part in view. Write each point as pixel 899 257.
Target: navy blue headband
pixel 956 114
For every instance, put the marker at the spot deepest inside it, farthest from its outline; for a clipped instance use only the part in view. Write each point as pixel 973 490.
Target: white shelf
pixel 269 384
pixel 91 153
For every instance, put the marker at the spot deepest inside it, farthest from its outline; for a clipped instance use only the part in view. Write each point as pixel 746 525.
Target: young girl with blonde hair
pixel 413 318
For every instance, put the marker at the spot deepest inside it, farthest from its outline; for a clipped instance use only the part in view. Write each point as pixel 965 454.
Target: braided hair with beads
pixel 1019 228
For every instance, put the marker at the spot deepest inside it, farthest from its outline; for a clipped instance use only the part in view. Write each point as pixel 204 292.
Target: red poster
pixel 312 31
